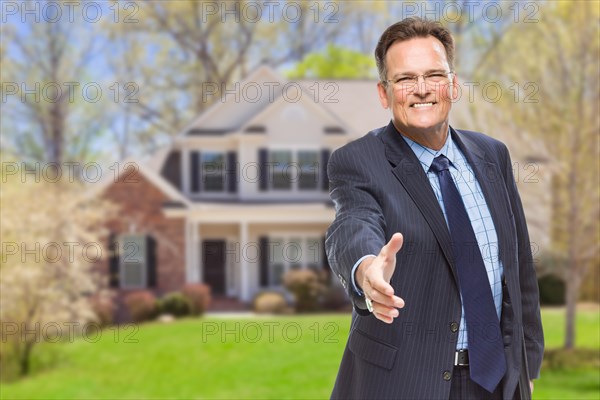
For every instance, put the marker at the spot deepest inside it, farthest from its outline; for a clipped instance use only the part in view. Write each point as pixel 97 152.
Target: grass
pixel 587 328
pixel 267 358
pixel 209 358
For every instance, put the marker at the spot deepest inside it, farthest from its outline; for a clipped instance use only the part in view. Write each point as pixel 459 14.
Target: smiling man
pixel 431 242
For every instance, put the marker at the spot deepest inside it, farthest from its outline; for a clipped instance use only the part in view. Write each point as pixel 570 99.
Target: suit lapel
pixel 408 170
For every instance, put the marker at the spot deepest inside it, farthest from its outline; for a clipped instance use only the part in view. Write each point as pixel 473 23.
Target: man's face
pixel 420 112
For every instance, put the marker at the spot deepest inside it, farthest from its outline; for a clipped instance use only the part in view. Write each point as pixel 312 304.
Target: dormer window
pixel 255 129
pixel 334 130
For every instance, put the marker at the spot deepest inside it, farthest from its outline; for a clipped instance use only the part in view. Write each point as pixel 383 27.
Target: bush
pixel 198 295
pixel 571 358
pixel 307 286
pixel 270 303
pixel 141 305
pixel 551 263
pixel 103 307
pixel 552 290
pixel 336 299
pixel 176 304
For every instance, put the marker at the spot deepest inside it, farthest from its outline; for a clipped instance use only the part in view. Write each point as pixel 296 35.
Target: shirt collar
pixel 426 155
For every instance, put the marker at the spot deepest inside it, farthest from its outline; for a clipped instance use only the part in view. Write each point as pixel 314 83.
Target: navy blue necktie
pixel 487 363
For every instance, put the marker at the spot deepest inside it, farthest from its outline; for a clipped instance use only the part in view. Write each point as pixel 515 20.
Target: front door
pixel 213 260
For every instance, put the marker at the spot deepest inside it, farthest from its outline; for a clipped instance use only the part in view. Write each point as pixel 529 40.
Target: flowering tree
pixel 50 240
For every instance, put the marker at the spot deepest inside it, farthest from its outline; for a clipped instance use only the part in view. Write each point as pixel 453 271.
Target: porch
pixel 240 250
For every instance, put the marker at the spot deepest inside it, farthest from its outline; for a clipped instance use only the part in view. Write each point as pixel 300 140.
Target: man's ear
pixel 383 95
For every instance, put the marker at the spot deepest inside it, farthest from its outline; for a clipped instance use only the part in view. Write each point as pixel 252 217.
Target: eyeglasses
pixel 409 82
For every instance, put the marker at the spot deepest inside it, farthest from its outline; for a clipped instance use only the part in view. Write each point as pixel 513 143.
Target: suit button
pixel 447 375
pixel 453 327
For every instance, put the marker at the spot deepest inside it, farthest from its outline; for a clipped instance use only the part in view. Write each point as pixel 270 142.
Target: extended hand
pixel 374 274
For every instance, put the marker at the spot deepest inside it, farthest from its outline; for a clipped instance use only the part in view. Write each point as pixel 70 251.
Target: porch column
pixel 245 281
pixel 197 256
pixel 189 262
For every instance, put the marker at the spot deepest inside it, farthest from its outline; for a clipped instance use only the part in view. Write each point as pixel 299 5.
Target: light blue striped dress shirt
pixel 478 212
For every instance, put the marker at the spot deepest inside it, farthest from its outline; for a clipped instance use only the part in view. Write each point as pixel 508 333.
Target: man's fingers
pixel 378 288
pixel 390 301
pixel 384 318
pixel 385 310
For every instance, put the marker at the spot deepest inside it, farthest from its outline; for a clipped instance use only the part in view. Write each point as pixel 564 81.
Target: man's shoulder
pixel 371 140
pixel 480 139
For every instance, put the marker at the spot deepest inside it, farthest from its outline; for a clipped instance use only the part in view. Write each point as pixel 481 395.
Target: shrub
pixel 307 286
pixel 550 262
pixel 335 299
pixel 141 305
pixel 552 290
pixel 270 303
pixel 571 358
pixel 103 307
pixel 176 304
pixel 198 295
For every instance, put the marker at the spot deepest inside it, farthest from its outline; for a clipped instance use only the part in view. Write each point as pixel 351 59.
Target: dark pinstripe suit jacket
pixel 379 188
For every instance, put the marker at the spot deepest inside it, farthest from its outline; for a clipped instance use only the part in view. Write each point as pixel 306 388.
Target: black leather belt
pixel 461 358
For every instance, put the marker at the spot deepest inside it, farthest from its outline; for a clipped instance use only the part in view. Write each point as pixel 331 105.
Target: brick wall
pixel 140 208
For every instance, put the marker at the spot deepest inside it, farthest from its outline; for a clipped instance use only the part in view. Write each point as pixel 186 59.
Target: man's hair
pixel 410 28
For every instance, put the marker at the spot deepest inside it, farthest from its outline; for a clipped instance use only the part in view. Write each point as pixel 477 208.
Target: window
pixel 314 253
pixel 308 164
pixel 292 252
pixel 280 161
pixel 213 171
pixel 292 170
pixel 133 261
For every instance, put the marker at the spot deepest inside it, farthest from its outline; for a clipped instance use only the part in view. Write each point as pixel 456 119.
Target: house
pixel 241 196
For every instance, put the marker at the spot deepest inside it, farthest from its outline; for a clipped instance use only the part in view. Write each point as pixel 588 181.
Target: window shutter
pixel 232 173
pixel 324 160
pixel 263 156
pixel 151 261
pixel 113 252
pixel 195 173
pixel 264 261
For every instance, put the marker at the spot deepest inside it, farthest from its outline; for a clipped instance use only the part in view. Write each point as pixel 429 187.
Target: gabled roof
pixel 354 104
pixel 152 176
pixel 239 103
pixel 337 124
pixel 353 101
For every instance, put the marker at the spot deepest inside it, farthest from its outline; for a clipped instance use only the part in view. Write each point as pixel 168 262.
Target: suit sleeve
pixel 359 226
pixel 532 323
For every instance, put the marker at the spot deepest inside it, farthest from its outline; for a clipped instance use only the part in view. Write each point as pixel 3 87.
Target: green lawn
pixel 285 357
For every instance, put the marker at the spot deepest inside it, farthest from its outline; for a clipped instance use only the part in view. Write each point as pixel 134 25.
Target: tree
pixel 335 63
pixel 556 61
pixel 47 116
pixel 198 43
pixel 50 239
